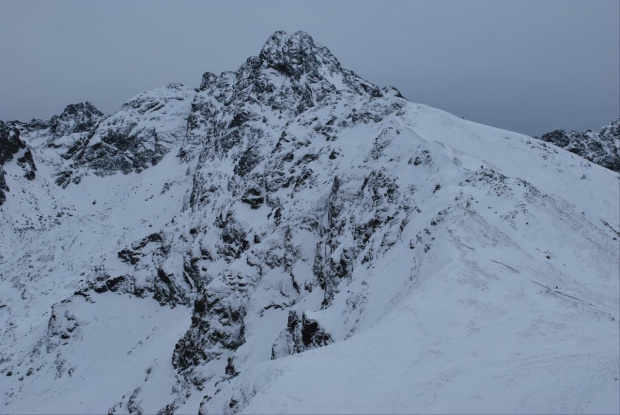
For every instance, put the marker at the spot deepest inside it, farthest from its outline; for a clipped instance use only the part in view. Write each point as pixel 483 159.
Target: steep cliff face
pixel 10 144
pixel 290 237
pixel 602 148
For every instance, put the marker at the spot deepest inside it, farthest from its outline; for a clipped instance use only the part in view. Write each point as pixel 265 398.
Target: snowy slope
pixel 290 238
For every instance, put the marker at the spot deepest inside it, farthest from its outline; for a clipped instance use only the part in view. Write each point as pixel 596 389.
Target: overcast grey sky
pixel 527 66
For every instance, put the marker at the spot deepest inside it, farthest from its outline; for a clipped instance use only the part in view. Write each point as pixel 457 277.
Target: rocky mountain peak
pixel 81 108
pixel 291 74
pixel 602 148
pixel 76 118
pixel 292 208
pixel 297 54
pixel 611 131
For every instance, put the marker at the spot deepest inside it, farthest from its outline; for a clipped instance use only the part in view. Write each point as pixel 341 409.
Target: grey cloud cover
pixel 527 66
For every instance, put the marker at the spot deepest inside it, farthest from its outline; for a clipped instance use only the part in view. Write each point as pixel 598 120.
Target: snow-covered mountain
pixel 291 238
pixel 601 148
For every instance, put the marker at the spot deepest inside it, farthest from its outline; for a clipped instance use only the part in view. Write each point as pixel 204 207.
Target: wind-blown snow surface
pixel 290 238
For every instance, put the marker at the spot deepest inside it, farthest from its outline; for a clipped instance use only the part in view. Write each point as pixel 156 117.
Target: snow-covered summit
pixel 291 73
pixel 76 118
pixel 290 238
pixel 298 56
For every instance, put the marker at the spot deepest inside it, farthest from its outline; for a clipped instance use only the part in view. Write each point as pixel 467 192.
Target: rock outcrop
pixel 602 148
pixel 10 144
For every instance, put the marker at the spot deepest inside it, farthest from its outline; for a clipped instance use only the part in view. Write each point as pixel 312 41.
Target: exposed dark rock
pixel 391 91
pixel 234 240
pixel 302 333
pixel 217 322
pixel 601 148
pixel 61 326
pixel 76 118
pixel 27 163
pixel 63 178
pixel 254 197
pixel 3 186
pixel 10 143
pixel 114 283
pixel 128 256
pixel 103 283
pixel 247 162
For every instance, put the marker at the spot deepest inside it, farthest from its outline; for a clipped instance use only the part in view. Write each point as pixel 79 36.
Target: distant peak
pixel 86 106
pixel 313 74
pixel 76 118
pixel 281 41
pixel 281 36
pixel 294 54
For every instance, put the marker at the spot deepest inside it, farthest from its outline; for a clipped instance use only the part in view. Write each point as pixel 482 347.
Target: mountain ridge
pixel 601 148
pixel 207 249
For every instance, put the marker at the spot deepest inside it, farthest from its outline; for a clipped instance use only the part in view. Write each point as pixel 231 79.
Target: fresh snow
pixel 443 266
